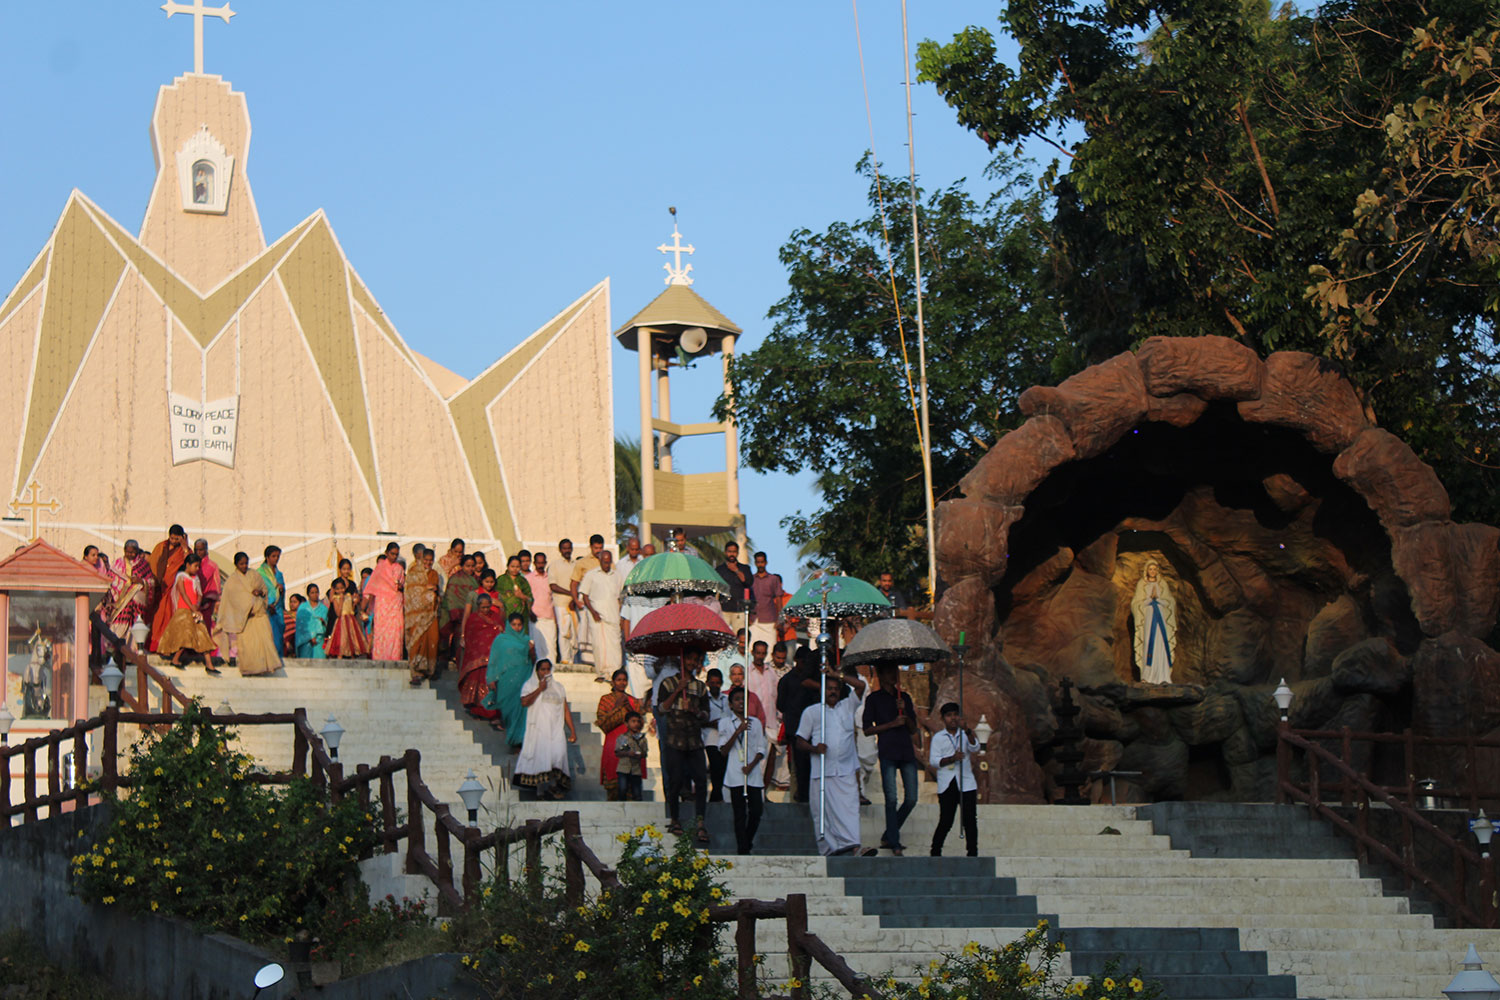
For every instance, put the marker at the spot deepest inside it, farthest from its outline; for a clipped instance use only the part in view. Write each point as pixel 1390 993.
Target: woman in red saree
pixel 611 720
pixel 481 624
pixel 384 592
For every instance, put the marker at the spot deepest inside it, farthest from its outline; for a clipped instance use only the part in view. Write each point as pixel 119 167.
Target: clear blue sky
pixel 485 163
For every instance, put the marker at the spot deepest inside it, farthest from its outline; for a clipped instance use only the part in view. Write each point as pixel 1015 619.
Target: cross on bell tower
pixel 676 273
pixel 199 12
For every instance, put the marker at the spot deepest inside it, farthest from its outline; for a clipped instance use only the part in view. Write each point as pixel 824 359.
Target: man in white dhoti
pixel 600 592
pixel 827 734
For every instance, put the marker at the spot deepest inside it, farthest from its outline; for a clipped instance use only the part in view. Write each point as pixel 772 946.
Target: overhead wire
pixel 890 265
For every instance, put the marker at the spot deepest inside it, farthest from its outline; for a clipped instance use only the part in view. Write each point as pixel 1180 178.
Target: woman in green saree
pixel 509 669
pixel 514 590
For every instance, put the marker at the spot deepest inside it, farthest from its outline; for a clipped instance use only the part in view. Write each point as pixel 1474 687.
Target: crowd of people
pixel 505 629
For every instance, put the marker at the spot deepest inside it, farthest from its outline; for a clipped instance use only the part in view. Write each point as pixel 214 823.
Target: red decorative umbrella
pixel 671 629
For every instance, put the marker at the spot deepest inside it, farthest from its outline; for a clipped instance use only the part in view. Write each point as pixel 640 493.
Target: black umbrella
pixel 897 640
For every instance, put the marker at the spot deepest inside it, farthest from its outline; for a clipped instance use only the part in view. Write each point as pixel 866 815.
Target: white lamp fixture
pixel 983 731
pixel 224 707
pixel 268 976
pixel 140 633
pixel 1283 696
pixel 332 732
pixel 1483 829
pixel 112 677
pixel 472 792
pixel 6 721
pixel 1473 982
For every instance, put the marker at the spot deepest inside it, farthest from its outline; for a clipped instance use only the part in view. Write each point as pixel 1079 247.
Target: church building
pixel 256 394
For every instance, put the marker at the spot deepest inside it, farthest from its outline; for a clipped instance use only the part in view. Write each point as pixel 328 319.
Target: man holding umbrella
pixel 681 714
pixel 827 736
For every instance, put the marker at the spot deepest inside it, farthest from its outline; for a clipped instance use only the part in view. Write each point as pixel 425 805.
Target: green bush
pixel 196 837
pixel 1025 969
pixel 648 939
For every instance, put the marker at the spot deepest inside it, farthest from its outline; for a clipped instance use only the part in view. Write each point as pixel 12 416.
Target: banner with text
pixel 203 430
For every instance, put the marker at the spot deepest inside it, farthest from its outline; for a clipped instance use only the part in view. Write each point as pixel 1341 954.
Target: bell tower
pixel 677 328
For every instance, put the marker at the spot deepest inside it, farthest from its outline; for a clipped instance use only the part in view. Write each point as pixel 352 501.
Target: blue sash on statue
pixel 1157 622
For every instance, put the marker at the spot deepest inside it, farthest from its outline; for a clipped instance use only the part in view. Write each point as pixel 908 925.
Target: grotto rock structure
pixel 1300 540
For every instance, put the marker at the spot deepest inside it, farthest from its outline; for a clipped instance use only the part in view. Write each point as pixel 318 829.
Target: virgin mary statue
pixel 1155 614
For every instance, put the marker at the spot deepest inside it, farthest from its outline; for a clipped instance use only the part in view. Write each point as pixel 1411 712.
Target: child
pixel 951 752
pixel 833 791
pixel 742 741
pixel 630 751
pixel 347 637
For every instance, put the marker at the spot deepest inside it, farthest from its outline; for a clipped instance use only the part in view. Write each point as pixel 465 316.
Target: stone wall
pixel 1300 541
pixel 153 956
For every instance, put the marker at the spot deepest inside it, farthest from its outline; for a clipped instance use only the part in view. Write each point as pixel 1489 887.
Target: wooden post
pixel 744 943
pixel 798 961
pixel 472 872
pixel 534 857
pixel 1347 749
pixel 572 865
pixel 387 808
pixel 299 744
pixel 109 753
pixel 335 778
pixel 1488 905
pixel 1471 773
pixel 416 831
pixel 5 787
pixel 81 767
pixel 1363 825
pixel 1315 791
pixel 444 847
pixel 28 784
pixel 1410 744
pixel 54 771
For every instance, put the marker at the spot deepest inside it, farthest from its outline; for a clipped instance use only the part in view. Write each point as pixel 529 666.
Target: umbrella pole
pixel 962 649
pixel 823 757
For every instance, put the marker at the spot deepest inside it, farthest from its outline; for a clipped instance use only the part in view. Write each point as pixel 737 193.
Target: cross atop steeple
pixel 199 12
pixel 676 273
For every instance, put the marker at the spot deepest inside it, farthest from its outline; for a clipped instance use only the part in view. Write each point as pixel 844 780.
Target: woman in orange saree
pixel 421 606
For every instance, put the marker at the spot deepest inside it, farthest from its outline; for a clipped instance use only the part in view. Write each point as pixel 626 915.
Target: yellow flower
pixel 1109 984
pixel 158 772
pixel 581 946
pixel 971 949
pixel 697 980
pixel 243 918
pixel 507 940
pixel 1136 985
pixel 107 900
pixel 154 905
pixel 580 975
pixel 640 911
pixel 130 880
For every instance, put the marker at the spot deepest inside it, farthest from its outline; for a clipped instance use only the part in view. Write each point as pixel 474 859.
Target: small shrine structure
pixel 45 599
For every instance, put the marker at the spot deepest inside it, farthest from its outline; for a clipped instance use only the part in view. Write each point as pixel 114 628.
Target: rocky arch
pixel 1303 541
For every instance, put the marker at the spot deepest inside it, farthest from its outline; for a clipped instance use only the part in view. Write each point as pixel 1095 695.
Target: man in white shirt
pixel 559 581
pixel 599 593
pixel 742 741
pixel 827 735
pixel 952 750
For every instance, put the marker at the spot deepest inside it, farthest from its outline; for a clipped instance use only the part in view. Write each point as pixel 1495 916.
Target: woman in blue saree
pixel 509 669
pixel 312 626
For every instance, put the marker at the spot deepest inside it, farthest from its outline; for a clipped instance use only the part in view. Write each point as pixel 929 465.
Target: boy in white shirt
pixel 834 776
pixel 742 741
pixel 952 750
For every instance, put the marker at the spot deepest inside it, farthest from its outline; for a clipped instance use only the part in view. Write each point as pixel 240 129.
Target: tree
pixel 828 389
pixel 1319 182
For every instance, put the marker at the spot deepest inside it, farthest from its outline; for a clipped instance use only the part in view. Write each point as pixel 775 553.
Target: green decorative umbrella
pixel 674 573
pixel 838 597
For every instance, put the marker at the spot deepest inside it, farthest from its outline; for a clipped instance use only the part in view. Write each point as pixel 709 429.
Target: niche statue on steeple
pixel 204 170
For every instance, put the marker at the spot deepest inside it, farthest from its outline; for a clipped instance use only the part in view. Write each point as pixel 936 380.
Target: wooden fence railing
pixel 169 697
pixel 374 789
pixel 1419 836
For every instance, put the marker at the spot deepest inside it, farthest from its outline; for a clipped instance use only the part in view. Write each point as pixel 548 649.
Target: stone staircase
pixel 1214 900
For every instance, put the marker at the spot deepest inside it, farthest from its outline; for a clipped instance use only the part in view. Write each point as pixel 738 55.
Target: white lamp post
pixel 1483 829
pixel 268 976
pixel 332 732
pixel 6 721
pixel 140 633
pixel 224 707
pixel 472 792
pixel 1283 696
pixel 983 732
pixel 1473 982
pixel 112 677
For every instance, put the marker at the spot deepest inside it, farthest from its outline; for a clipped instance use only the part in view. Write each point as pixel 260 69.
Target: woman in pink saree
pixel 384 593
